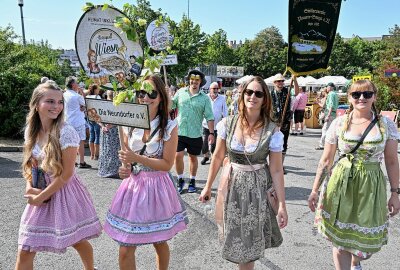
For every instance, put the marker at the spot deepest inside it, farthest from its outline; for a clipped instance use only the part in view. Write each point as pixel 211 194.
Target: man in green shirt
pixel 193 105
pixel 331 105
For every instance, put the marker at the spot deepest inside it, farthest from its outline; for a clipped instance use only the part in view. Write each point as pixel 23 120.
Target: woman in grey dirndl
pixel 249 224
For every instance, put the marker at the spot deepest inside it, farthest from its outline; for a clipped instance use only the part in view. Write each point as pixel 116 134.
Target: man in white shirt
pixel 74 106
pixel 220 111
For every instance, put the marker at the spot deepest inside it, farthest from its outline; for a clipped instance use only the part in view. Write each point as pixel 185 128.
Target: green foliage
pixel 189 45
pixel 217 50
pixel 21 68
pixel 389 88
pixel 354 57
pixel 265 55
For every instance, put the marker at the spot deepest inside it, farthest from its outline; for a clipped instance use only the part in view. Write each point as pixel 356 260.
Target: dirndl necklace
pixel 372 117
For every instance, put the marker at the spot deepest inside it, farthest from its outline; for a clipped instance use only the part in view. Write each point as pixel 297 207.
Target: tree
pixel 141 11
pixel 389 88
pixel 21 68
pixel 189 45
pixel 66 69
pixel 217 50
pixel 354 57
pixel 265 55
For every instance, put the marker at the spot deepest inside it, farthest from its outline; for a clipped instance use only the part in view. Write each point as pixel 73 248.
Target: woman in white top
pixel 249 224
pixel 147 208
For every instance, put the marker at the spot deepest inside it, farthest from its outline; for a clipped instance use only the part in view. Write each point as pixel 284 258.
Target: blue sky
pixel 55 20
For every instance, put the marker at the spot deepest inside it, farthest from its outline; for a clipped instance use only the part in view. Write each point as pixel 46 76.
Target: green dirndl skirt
pixel 352 211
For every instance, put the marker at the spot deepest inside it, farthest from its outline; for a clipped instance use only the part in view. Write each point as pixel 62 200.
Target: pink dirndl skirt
pixel 146 209
pixel 68 218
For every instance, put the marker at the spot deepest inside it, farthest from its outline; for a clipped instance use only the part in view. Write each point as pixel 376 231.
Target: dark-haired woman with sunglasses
pixel 352 210
pixel 146 208
pixel 247 221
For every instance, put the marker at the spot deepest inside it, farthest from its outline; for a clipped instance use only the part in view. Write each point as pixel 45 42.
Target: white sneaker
pixel 357 267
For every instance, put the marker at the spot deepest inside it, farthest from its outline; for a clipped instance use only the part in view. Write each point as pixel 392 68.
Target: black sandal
pixel 84 165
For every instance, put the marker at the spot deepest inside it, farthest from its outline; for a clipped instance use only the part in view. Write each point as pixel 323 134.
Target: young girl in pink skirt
pixel 61 214
pixel 147 208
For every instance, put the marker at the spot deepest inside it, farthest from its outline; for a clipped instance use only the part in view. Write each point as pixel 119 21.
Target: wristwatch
pixel 397 190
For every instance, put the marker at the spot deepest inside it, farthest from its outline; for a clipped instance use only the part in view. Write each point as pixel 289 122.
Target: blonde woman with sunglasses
pixel 352 211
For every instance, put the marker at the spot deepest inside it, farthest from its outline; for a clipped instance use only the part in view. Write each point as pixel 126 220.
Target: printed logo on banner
pixel 158 36
pixel 106 54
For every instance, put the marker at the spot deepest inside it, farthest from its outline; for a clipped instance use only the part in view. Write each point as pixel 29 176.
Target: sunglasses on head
pixel 249 92
pixel 280 81
pixel 195 77
pixel 143 93
pixel 366 94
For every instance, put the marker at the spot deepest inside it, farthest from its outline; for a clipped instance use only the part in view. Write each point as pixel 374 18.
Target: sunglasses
pixel 143 93
pixel 366 94
pixel 195 77
pixel 214 88
pixel 249 92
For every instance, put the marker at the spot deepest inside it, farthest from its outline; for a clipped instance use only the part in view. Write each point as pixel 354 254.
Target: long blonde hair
pixel 52 162
pixel 266 114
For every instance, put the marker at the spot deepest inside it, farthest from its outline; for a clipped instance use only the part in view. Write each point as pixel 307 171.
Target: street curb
pixel 11 148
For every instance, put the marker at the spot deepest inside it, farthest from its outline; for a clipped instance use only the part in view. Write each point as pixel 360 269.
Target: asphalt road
pixel 196 248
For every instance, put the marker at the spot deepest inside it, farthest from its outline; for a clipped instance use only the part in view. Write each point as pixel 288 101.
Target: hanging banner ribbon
pixel 312 30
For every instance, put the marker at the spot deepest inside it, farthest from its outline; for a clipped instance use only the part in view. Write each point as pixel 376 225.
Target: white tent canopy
pixel 302 81
pixel 244 79
pixel 337 80
pixel 270 80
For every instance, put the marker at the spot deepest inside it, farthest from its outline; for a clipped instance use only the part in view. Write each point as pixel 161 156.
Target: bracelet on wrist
pixel 396 190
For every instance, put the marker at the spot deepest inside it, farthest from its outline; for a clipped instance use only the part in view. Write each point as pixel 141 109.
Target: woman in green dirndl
pixel 352 210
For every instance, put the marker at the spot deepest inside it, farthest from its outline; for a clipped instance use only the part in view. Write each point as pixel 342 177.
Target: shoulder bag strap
pixel 370 126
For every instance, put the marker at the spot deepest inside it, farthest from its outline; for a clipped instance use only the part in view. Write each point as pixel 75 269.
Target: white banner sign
pixel 158 37
pixel 125 114
pixel 104 52
pixel 230 71
pixel 171 59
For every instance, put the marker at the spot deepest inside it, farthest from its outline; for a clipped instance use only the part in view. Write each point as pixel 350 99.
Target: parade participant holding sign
pixel 249 224
pixel 193 105
pixel 279 99
pixel 146 208
pixel 352 211
pixel 60 212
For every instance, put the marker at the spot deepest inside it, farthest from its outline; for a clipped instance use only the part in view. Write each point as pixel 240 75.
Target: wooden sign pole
pixel 165 76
